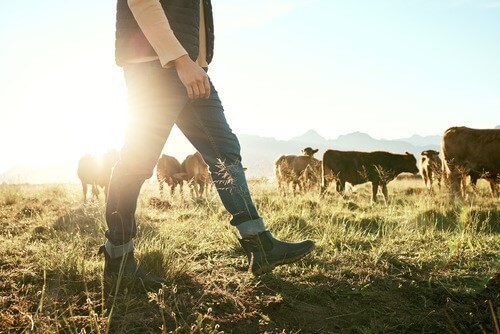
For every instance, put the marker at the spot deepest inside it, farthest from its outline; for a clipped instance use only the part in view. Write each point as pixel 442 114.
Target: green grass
pixel 417 265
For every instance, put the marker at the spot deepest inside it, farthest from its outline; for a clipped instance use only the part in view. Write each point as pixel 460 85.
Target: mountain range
pixel 258 154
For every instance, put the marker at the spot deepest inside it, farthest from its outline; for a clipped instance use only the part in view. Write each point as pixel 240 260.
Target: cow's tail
pixel 277 167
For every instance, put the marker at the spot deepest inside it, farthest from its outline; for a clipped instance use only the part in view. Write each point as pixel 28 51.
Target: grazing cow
pixel 96 172
pixel 474 152
pixel 197 173
pixel 169 171
pixel 430 166
pixel 355 167
pixel 302 171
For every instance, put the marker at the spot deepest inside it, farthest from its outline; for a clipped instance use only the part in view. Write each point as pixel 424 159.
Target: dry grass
pixel 418 265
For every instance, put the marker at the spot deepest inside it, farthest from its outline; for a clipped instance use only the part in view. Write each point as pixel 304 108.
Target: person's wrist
pixel 181 60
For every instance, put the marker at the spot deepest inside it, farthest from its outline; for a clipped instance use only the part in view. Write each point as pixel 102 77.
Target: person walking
pixel 164 48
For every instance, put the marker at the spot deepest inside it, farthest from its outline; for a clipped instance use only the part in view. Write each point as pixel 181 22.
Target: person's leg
pixel 154 101
pixel 204 124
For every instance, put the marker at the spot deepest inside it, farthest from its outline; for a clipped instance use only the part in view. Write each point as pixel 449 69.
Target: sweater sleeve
pixel 154 24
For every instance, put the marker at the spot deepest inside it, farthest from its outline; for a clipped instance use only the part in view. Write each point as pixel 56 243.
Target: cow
pixel 474 152
pixel 197 173
pixel 430 167
pixel 356 167
pixel 96 172
pixel 169 171
pixel 302 171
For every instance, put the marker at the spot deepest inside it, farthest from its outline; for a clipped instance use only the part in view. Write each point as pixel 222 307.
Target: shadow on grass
pixel 385 305
pixel 476 220
pixel 447 221
pixel 483 221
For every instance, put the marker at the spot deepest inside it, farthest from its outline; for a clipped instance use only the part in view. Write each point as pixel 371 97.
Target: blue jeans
pixel 157 100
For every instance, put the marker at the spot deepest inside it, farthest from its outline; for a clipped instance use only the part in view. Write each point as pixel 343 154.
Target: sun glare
pixel 71 111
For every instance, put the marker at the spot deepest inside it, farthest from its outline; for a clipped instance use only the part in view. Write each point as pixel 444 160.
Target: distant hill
pixel 258 154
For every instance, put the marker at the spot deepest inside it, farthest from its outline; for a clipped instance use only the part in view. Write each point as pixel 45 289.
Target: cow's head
pixel 430 153
pixel 308 151
pixel 410 163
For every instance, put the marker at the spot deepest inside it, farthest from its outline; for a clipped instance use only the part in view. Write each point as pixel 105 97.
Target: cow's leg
pixel 285 187
pixel 192 188
pixel 196 186
pixel 295 185
pixel 493 187
pixel 426 178
pixel 455 180
pixel 84 188
pixel 280 188
pixel 95 190
pixel 374 191
pixel 463 181
pixel 172 188
pixel 325 182
pixel 160 183
pixel 340 186
pixel 201 184
pixel 430 180
pixel 386 194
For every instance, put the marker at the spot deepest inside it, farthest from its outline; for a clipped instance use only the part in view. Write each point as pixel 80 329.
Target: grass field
pixel 417 265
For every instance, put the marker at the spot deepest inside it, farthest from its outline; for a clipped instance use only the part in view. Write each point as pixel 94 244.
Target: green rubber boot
pixel 264 251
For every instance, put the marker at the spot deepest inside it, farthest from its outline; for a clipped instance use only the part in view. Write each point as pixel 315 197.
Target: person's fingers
pixel 189 91
pixel 206 84
pixel 196 91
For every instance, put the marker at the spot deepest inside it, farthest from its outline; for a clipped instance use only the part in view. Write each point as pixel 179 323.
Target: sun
pixel 67 110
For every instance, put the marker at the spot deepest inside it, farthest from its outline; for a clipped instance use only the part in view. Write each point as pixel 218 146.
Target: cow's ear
pixel 408 153
pixel 316 150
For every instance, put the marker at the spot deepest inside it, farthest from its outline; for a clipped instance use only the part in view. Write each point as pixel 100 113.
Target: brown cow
pixel 197 173
pixel 293 169
pixel 474 152
pixel 96 172
pixel 355 167
pixel 430 166
pixel 169 171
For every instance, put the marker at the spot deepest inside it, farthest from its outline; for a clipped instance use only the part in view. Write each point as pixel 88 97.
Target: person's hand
pixel 193 77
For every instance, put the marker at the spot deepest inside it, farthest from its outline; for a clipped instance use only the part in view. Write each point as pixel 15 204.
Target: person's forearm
pixel 154 24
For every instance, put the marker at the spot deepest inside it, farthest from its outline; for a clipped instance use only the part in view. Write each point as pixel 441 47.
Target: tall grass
pixel 417 265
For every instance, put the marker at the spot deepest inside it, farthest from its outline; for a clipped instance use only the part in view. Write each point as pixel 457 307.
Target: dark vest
pixel 184 19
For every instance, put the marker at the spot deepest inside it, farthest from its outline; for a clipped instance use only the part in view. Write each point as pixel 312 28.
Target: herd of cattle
pixel 96 172
pixel 465 152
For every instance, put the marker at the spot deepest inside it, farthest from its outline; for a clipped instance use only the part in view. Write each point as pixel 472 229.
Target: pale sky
pixel 389 68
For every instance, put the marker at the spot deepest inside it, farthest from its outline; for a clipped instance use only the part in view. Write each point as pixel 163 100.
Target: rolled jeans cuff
pixel 251 227
pixel 120 250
